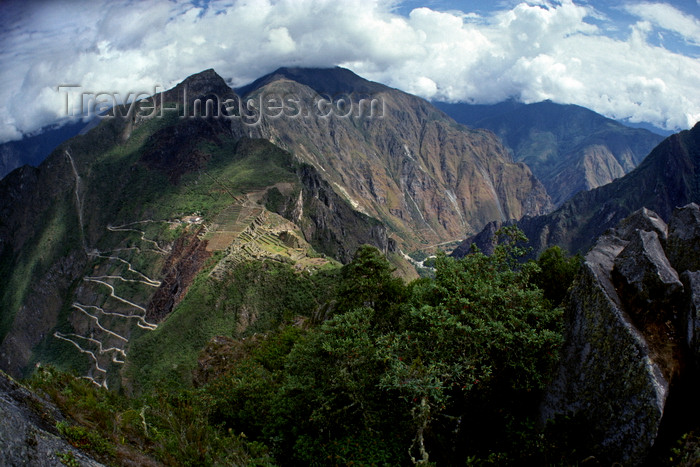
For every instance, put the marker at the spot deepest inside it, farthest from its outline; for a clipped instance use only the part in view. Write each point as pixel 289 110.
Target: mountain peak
pixel 200 85
pixel 333 81
pixel 206 75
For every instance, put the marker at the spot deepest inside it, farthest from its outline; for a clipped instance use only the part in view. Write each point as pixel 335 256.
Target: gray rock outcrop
pixel 28 434
pixel 690 315
pixel 644 273
pixel 631 326
pixel 684 238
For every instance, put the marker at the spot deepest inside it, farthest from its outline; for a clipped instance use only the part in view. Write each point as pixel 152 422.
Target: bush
pixel 556 274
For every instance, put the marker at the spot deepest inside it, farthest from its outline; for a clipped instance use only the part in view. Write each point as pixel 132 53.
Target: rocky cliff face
pixel 630 334
pixel 669 177
pixel 28 434
pixel 568 147
pixel 407 164
pixel 328 221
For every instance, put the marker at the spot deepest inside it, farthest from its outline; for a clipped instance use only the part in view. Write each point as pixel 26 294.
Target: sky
pixel 630 60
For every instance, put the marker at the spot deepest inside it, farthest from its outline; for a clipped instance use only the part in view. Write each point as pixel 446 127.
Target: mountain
pixel 568 147
pixel 204 256
pixel 394 156
pixel 332 81
pixel 631 339
pixel 32 150
pixel 667 178
pixel 103 241
pixel 160 204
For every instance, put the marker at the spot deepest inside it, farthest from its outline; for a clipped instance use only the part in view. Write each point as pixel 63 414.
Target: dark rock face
pixel 644 273
pixel 28 434
pixel 690 316
pixel 631 331
pixel 607 377
pixel 485 240
pixel 684 238
pixel 328 222
pixel 642 219
pixel 186 259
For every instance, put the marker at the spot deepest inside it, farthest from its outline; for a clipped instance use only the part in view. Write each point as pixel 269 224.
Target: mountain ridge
pixel 112 217
pixel 393 167
pixel 568 147
pixel 669 177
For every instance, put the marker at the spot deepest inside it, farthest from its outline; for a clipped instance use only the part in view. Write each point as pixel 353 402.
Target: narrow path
pixel 146 324
pixel 79 201
pixel 117 353
pixel 99 325
pixel 101 350
pixel 91 354
pixel 146 279
pixel 121 228
pixel 458 239
pixel 120 278
pixel 120 315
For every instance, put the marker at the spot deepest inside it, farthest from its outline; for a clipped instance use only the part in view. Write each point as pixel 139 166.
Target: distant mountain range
pixel 32 150
pixel 669 177
pixel 568 147
pixel 101 242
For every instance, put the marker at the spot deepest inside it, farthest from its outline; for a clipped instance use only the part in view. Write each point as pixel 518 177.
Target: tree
pixel 479 332
pixel 368 282
pixel 557 272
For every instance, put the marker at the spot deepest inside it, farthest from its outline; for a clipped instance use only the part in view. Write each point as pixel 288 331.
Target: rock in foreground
pixel 630 334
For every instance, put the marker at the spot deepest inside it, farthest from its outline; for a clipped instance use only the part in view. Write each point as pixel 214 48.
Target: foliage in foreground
pixel 445 370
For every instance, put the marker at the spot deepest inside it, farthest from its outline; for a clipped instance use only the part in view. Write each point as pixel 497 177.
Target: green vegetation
pixel 345 366
pixel 86 439
pixel 252 297
pixel 51 240
pixel 165 426
pixel 557 272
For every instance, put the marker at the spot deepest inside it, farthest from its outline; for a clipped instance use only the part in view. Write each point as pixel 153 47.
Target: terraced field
pixel 229 224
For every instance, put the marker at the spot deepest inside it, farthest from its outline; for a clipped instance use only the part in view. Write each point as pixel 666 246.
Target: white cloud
pixel 531 51
pixel 668 17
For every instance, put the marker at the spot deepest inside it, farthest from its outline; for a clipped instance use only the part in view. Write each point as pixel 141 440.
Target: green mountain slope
pixel 102 242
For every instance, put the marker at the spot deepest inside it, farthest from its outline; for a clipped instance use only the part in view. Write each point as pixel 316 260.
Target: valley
pixel 260 278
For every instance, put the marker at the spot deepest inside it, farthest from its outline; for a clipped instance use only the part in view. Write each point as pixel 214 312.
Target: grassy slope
pixel 127 191
pixel 264 294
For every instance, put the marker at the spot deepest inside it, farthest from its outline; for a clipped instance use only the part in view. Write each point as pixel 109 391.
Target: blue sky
pixel 634 60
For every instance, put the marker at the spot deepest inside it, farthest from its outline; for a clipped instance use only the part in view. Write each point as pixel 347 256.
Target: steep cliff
pixel 393 156
pixel 28 434
pixel 629 339
pixel 568 147
pixel 669 177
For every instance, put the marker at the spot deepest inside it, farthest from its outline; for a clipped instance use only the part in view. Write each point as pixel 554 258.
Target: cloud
pixel 530 51
pixel 668 17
